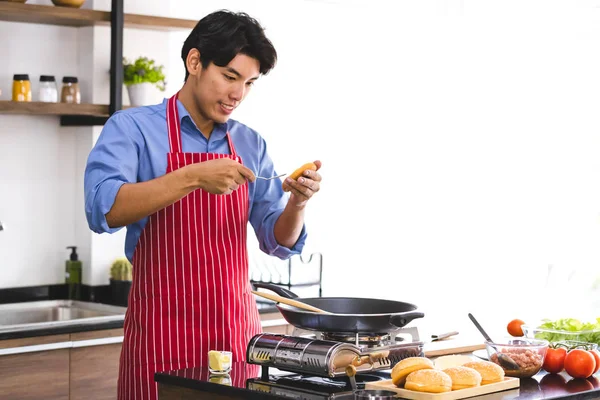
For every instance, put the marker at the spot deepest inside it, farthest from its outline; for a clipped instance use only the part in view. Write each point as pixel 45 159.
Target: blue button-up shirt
pixel 133 147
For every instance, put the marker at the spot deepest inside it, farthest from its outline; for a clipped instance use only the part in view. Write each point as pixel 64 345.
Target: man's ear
pixel 192 62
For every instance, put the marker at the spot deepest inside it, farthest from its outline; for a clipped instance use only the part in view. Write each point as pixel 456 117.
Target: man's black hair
pixel 222 35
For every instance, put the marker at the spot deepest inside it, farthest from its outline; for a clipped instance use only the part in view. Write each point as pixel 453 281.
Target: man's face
pixel 219 90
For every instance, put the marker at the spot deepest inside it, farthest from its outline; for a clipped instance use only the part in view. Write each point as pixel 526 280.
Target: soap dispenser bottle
pixel 73 274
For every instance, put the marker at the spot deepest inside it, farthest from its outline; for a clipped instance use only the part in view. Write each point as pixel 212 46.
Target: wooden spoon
pixel 290 302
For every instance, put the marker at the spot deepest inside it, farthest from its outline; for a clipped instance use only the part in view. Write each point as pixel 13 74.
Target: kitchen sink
pixel 40 314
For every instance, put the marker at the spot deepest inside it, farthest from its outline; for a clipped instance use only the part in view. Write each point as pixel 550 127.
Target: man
pixel 181 176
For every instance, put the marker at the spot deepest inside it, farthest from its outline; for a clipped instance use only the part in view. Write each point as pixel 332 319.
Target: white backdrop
pixel 460 144
pixel 460 147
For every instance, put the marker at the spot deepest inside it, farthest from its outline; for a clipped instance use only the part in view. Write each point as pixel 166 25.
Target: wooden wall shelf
pixel 85 114
pixel 39 108
pixel 64 16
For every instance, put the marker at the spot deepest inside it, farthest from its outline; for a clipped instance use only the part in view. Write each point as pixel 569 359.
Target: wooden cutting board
pixel 508 383
pixel 455 345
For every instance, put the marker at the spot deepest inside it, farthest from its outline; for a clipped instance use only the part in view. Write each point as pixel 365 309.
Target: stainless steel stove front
pixel 325 358
pixel 302 355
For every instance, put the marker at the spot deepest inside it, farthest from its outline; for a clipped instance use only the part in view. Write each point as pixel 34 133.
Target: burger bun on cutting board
pixel 451 361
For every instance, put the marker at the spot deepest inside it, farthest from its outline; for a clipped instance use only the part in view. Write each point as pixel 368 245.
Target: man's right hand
pixel 135 201
pixel 220 176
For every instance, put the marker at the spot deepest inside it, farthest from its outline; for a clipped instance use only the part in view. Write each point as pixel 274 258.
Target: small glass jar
pixel 219 362
pixel 70 90
pixel 48 91
pixel 21 88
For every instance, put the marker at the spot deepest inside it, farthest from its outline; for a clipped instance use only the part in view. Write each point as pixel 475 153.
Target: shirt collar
pixel 219 130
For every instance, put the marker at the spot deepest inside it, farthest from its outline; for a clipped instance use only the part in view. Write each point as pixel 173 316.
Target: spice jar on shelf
pixel 21 88
pixel 48 91
pixel 70 90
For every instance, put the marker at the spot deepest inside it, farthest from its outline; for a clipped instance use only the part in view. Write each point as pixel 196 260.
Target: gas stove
pixel 327 365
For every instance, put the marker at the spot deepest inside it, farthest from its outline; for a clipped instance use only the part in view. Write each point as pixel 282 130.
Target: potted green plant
pixel 142 77
pixel 120 281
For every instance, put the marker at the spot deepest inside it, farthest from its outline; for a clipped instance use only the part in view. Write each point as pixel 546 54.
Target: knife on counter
pixel 435 338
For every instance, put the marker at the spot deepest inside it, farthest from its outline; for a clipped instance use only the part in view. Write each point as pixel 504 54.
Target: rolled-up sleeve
pixel 269 201
pixel 113 161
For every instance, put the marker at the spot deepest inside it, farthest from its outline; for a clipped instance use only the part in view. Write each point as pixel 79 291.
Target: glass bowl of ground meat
pixel 519 358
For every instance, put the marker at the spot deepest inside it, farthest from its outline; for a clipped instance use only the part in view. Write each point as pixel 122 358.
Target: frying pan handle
pixel 283 292
pixel 400 320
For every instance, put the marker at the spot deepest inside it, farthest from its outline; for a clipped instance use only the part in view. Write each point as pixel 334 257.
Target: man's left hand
pixel 305 187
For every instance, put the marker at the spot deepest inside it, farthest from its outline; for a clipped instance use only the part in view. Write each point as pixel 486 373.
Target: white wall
pixel 136 43
pixel 37 160
pixel 458 140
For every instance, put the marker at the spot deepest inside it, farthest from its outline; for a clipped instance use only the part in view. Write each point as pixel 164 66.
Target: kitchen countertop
pixel 55 317
pixel 84 326
pixel 541 386
pixel 46 331
pixel 266 308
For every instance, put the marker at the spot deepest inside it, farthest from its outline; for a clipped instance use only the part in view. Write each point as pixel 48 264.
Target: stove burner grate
pixel 365 339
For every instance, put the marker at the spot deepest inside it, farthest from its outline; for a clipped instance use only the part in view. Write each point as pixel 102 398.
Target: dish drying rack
pixel 308 283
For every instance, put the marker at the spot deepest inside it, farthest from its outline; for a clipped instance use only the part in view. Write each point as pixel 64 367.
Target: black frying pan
pixel 351 315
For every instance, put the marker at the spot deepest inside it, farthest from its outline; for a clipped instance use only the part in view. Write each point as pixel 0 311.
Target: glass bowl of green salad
pixel 565 329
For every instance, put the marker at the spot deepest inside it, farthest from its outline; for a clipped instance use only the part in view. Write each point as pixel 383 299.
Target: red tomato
pixel 555 360
pixel 596 355
pixel 580 363
pixel 514 327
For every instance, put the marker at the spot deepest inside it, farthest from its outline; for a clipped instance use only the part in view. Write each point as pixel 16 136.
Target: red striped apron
pixel 191 290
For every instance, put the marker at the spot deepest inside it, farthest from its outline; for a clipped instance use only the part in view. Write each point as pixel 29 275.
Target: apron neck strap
pixel 174 128
pixel 173 125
